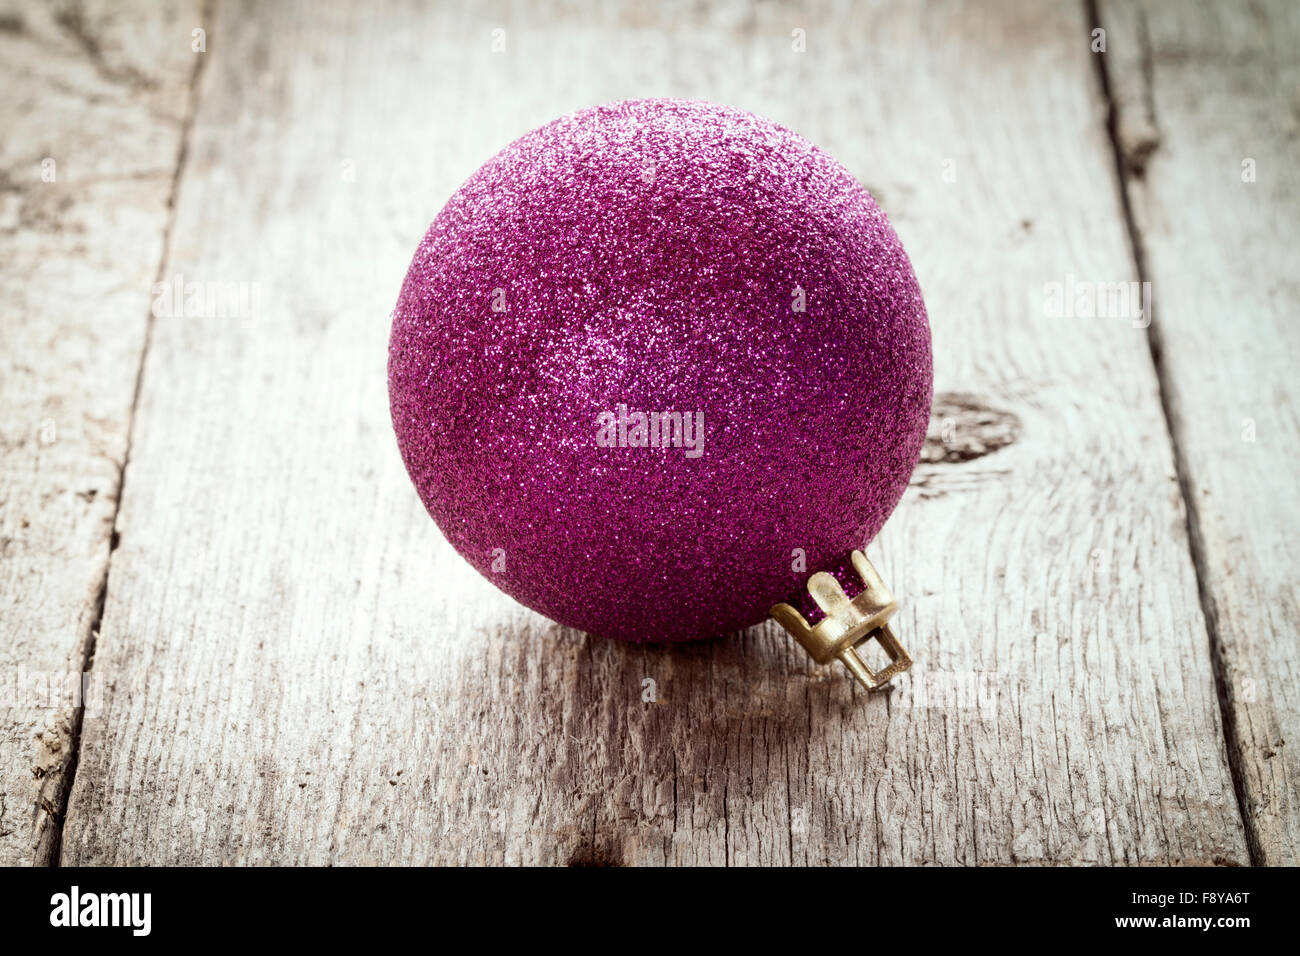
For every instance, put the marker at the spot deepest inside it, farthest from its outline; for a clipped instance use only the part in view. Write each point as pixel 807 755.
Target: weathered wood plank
pixel 92 101
pixel 1207 106
pixel 297 667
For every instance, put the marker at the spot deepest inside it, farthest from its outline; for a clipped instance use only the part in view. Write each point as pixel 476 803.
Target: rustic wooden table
pixel 286 663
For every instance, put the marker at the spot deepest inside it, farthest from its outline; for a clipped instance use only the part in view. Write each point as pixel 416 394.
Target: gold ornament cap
pixel 848 624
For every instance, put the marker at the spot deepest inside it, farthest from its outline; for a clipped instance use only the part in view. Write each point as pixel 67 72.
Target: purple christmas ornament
pixel 651 354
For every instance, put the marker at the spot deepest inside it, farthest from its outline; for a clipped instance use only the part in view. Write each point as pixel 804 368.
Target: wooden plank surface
pixel 1208 105
pixel 297 667
pixel 94 97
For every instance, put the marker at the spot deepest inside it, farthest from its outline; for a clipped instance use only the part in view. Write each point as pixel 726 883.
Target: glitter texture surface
pixel 655 254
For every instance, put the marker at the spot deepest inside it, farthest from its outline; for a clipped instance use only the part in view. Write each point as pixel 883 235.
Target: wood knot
pixel 589 854
pixel 962 428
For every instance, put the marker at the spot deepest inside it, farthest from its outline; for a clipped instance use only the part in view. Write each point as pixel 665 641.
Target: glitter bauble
pixel 655 363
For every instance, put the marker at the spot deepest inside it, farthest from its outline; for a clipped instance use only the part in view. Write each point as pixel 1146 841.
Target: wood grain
pixel 1215 207
pixel 297 667
pixel 93 97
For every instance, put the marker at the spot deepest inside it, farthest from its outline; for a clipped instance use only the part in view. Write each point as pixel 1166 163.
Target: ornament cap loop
pixel 848 624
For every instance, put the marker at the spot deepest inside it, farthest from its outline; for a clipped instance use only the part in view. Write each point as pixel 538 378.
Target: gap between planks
pixel 1131 162
pixel 54 857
